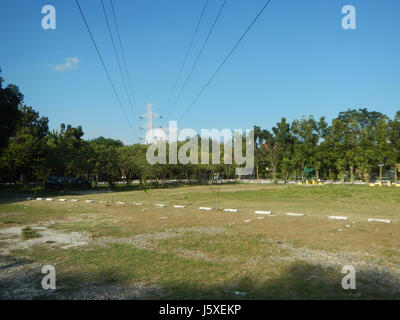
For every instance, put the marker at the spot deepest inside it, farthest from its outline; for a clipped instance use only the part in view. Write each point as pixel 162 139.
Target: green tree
pixel 25 156
pixel 306 140
pixel 260 151
pixel 394 144
pixel 10 99
pixel 67 151
pixel 106 164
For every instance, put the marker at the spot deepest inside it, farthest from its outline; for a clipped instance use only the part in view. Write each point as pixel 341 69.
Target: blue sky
pixel 297 60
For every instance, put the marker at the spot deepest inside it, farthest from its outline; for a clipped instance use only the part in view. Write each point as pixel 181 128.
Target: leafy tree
pixel 283 144
pixel 25 156
pixel 10 99
pixel 106 163
pixel 67 151
pixel 260 156
pixel 394 144
pixel 306 139
pixel 108 142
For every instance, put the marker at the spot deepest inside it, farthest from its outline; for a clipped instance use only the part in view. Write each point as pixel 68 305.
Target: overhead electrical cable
pixel 123 54
pixel 103 64
pixel 118 61
pixel 198 56
pixel 188 50
pixel 166 19
pixel 225 60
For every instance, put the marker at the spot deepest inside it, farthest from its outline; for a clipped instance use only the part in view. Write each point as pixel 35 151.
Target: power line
pixel 123 54
pixel 198 56
pixel 225 59
pixel 188 50
pixel 103 64
pixel 164 37
pixel 118 61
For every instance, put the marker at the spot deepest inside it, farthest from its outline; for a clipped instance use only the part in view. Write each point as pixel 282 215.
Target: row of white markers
pixel 159 205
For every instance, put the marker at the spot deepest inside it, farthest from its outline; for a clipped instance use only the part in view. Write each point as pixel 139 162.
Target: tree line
pixel 358 144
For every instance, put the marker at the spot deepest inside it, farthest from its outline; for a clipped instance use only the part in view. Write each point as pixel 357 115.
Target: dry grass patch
pixel 187 253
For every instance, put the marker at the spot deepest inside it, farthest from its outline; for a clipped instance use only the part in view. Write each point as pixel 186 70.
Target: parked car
pixel 79 183
pixel 54 182
pixel 58 183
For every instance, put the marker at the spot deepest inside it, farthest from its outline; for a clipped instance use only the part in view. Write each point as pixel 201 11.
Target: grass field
pixel 125 251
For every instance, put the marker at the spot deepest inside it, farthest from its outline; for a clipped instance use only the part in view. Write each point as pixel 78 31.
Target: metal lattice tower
pixel 149 116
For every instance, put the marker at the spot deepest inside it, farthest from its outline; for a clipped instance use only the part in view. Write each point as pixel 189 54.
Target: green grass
pixel 267 259
pixel 96 229
pixel 29 233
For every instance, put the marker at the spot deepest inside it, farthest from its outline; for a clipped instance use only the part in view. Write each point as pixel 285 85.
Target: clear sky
pixel 297 60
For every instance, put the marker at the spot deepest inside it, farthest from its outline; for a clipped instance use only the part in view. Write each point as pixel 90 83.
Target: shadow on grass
pixel 19 193
pixel 298 281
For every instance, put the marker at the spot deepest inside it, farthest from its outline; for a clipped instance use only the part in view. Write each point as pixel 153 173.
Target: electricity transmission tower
pixel 149 116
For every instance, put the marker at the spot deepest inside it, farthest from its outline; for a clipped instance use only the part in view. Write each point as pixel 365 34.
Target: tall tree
pixel 306 134
pixel 10 98
pixel 67 151
pixel 260 140
pixel 394 144
pixel 26 153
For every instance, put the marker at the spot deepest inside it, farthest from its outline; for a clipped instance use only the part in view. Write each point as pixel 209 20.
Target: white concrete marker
pixel 295 214
pixel 338 218
pixel 160 205
pixel 39 199
pixel 119 202
pixel 205 208
pixel 231 210
pixel 74 200
pixel 89 201
pixel 263 212
pixel 138 203
pixel 247 221
pixel 380 220
pixel 62 200
pixel 260 218
pixel 179 207
pixel 28 198
pixel 49 199
pixel 238 293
